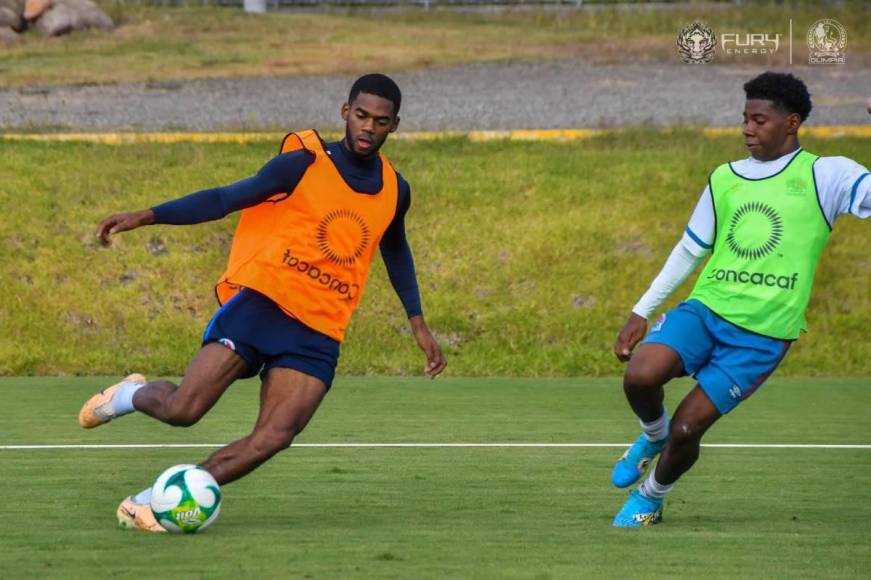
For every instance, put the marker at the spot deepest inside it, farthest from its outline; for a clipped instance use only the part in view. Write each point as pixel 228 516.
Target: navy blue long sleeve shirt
pixel 282 174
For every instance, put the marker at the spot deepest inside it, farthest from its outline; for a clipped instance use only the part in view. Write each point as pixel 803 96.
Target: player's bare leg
pixel 650 367
pixel 213 369
pixel 288 400
pixel 694 416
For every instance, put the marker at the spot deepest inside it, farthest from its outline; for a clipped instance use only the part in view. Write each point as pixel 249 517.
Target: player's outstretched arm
pixel 682 261
pixel 435 359
pixel 123 222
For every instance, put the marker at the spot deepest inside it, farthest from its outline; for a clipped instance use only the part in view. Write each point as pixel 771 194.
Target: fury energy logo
pixel 755 231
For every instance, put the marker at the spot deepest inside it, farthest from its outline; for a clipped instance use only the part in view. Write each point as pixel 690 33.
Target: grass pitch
pixel 445 512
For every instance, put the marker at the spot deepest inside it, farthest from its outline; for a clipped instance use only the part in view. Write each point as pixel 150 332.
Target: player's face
pixel 767 129
pixel 368 122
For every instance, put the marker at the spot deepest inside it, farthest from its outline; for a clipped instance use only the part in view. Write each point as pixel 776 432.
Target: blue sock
pixel 122 400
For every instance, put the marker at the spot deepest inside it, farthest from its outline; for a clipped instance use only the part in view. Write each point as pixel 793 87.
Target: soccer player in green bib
pixel 765 221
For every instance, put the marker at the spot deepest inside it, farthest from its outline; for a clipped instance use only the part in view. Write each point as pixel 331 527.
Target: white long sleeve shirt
pixel 843 187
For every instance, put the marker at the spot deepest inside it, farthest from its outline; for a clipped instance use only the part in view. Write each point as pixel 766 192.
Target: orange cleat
pixel 137 516
pixel 98 409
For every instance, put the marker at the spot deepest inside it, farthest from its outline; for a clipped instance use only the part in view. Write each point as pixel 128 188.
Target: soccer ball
pixel 186 499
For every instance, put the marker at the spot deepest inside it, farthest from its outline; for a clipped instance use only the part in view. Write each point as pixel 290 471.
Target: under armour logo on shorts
pixel 228 343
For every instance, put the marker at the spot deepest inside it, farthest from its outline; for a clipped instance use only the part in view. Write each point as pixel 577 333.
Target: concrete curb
pixel 826 132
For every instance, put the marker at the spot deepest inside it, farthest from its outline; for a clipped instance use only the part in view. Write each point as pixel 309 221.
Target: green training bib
pixel 769 236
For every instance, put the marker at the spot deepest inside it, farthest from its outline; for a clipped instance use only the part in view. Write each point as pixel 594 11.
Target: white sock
pixel 652 489
pixel 143 496
pixel 122 400
pixel 656 430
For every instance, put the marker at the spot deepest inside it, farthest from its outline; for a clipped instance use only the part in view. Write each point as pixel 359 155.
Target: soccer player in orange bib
pixel 312 219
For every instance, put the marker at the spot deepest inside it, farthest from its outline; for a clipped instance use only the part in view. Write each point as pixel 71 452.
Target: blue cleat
pixel 634 462
pixel 639 512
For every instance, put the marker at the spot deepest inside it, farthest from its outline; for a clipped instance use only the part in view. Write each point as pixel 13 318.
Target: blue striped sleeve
pixel 697 239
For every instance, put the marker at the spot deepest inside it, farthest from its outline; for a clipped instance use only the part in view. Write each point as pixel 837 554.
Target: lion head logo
pixel 696 43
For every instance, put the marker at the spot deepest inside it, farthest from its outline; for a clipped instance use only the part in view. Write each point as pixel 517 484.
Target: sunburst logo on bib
pixel 343 236
pixel 754 231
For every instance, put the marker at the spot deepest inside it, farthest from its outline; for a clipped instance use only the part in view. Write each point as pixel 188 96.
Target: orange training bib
pixel 310 251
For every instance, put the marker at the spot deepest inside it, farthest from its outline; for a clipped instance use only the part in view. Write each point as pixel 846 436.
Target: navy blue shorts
pixel 255 328
pixel 729 363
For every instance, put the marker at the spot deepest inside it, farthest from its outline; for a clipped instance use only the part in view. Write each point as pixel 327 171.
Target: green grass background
pixel 445 513
pixel 529 255
pixel 160 43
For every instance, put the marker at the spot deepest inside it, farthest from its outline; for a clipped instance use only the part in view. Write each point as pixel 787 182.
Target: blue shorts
pixel 256 329
pixel 729 363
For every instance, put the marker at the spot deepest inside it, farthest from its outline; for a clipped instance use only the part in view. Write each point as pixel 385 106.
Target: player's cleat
pixel 639 512
pixel 137 516
pixel 98 409
pixel 635 461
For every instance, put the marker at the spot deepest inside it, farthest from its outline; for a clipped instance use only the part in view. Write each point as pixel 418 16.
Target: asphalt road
pixel 556 94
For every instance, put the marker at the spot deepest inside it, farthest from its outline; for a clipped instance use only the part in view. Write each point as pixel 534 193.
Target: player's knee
pixel 182 420
pixel 182 416
pixel 684 432
pixel 641 377
pixel 271 440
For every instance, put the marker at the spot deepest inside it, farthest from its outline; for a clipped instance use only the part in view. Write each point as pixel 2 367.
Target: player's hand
pixel 123 222
pixel 632 332
pixel 435 359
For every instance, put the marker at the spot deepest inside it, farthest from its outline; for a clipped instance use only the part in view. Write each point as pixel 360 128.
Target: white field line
pixel 430 446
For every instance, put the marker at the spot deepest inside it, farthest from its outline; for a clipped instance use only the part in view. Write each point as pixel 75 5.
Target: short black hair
pixel 786 92
pixel 379 85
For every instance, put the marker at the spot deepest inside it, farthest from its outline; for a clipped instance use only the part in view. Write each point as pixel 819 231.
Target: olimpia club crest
pixel 755 230
pixel 826 40
pixel 696 43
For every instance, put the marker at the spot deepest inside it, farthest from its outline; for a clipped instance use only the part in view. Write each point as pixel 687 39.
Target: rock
pixel 67 15
pixel 90 15
pixel 10 19
pixel 55 21
pixel 8 36
pixel 156 247
pixel 16 6
pixel 33 9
